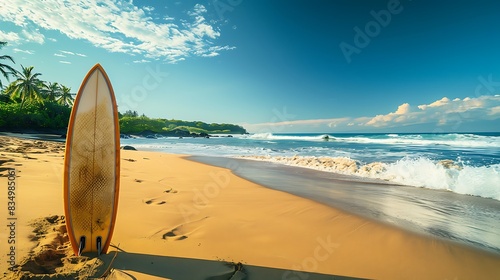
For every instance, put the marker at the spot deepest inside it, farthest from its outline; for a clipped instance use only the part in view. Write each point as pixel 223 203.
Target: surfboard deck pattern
pixel 92 164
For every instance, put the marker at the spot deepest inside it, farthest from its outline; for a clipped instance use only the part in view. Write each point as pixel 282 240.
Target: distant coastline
pixel 130 124
pixel 133 124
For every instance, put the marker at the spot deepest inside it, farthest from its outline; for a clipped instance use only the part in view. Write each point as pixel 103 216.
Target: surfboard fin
pixel 81 246
pixel 99 245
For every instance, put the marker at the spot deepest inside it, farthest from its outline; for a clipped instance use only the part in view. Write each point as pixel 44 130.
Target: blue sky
pixel 276 66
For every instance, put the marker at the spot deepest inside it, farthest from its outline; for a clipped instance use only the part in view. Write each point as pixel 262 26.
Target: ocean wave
pixel 201 149
pixel 452 140
pixel 483 181
pixel 271 136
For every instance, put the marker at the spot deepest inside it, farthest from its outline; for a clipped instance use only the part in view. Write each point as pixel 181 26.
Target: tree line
pixel 29 103
pixel 132 123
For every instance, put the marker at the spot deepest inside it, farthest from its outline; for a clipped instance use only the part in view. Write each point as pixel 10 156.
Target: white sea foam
pixel 202 149
pixel 453 140
pixel 418 172
pixel 271 136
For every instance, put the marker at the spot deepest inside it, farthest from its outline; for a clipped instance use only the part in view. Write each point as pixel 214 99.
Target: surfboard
pixel 92 165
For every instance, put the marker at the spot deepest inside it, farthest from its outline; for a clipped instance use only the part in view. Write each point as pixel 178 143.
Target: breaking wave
pixel 483 181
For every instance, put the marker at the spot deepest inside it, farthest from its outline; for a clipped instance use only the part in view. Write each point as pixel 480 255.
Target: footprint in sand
pixel 170 191
pixel 155 201
pixel 160 199
pixel 174 234
pixel 180 232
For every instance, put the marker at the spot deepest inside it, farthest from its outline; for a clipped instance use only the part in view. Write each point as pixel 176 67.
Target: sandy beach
pixel 179 219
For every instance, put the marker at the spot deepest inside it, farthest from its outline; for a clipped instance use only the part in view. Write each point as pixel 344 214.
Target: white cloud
pixel 337 122
pixel 63 53
pixel 440 112
pixel 403 109
pixel 141 61
pixel 212 54
pixel 402 114
pixel 117 26
pixel 23 51
pixel 10 37
pixel 283 125
pixel 148 8
pixel 33 36
pixel 442 102
pixel 494 111
pixel 68 52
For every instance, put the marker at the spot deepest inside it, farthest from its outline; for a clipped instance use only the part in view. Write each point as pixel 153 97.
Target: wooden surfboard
pixel 92 165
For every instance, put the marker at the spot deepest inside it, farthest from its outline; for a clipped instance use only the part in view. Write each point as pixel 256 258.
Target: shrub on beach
pixel 33 116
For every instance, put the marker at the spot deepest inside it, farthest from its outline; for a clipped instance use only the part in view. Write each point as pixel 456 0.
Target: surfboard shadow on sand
pixel 135 266
pixel 187 268
pixel 53 258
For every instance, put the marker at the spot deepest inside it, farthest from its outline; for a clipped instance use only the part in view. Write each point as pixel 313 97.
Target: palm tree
pixel 4 96
pixel 5 69
pixel 51 90
pixel 65 97
pixel 26 87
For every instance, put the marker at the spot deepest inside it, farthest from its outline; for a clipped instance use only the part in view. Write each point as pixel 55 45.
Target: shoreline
pixel 172 208
pixel 434 213
pixel 42 136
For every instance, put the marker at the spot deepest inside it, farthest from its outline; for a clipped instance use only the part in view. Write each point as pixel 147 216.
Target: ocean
pixel 463 163
pixel 444 185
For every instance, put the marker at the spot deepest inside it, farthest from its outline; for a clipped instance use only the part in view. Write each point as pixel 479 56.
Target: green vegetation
pixel 30 104
pixel 49 116
pixel 132 123
pixel 5 69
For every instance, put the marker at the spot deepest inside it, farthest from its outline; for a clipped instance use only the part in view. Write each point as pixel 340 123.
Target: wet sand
pixel 466 219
